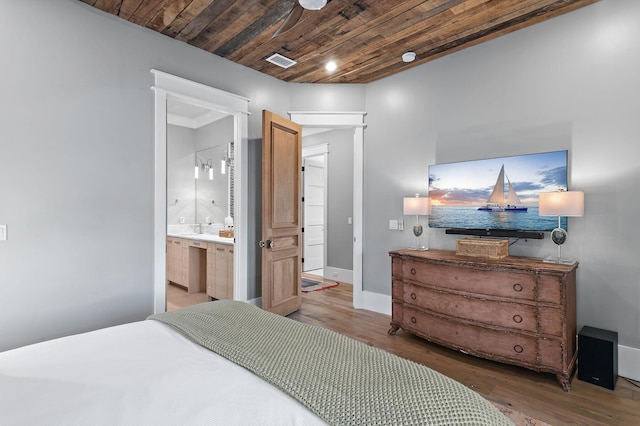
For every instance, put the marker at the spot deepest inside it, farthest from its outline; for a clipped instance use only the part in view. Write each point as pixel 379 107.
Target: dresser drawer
pixel 495 283
pixel 476 340
pixel 504 314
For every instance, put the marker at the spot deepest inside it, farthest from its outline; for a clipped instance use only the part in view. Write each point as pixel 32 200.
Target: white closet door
pixel 313 235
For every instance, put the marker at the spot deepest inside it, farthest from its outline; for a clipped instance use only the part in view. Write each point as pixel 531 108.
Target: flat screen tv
pixel 496 197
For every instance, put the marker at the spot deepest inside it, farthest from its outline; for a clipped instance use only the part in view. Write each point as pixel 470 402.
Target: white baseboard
pixel 629 362
pixel 340 275
pixel 376 302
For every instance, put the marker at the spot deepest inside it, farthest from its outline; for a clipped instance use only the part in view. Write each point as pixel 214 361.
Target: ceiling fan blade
pixel 291 20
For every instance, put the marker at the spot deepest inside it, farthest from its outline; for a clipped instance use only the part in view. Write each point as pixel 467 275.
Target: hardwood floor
pixel 536 394
pixel 177 297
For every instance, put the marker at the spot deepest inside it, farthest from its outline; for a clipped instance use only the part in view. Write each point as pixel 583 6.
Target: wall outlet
pixel 3 232
pixel 400 224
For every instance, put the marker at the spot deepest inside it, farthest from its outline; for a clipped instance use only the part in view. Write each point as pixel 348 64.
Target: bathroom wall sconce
pixel 227 160
pixel 206 168
pixel 417 206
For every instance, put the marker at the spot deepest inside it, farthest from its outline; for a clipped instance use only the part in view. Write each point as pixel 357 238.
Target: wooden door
pixel 313 213
pixel 281 214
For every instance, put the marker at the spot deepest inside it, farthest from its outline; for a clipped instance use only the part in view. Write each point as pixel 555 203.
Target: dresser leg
pixel 564 381
pixel 393 329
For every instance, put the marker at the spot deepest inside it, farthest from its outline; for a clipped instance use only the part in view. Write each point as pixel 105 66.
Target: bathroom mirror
pixel 214 185
pixel 198 138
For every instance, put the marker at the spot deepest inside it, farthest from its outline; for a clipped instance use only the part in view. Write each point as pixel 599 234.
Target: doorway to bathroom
pixel 200 208
pixel 168 89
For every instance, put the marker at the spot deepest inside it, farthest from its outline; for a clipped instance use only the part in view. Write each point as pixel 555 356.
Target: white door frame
pixel 346 120
pixel 316 151
pixel 167 86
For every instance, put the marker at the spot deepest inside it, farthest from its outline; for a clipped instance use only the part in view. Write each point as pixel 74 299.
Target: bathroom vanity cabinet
pixel 200 266
pixel 220 271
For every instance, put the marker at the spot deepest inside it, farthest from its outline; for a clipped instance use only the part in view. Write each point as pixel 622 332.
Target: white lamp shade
pixel 561 203
pixel 417 205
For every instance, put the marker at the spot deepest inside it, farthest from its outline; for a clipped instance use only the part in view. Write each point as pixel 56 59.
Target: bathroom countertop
pixel 204 237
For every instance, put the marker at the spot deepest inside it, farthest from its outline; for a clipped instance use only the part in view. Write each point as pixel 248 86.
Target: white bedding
pixel 142 373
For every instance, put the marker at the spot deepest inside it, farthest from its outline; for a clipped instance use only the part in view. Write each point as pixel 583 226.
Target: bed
pixel 226 363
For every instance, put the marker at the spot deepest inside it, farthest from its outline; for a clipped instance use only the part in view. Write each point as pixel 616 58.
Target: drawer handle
pixel 517 287
pixel 194 243
pixel 414 320
pixel 413 271
pixel 517 318
pixel 220 249
pixel 518 349
pixel 231 251
pixel 176 242
pixel 413 296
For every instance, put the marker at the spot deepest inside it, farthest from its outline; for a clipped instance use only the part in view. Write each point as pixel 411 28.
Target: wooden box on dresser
pixel 515 310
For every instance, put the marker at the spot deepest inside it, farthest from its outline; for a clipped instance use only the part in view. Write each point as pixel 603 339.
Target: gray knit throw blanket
pixel 343 381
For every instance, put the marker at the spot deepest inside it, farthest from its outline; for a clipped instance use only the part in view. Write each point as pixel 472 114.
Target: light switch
pixel 393 224
pixel 349 221
pixel 3 232
pixel 400 224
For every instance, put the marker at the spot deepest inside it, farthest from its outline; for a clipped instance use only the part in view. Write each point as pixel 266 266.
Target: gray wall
pixel 254 227
pixel 339 171
pixel 76 163
pixel 567 83
pixel 181 187
pixel 218 133
pixel 327 97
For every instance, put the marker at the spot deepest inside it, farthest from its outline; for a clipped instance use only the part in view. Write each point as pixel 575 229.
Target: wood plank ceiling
pixel 366 38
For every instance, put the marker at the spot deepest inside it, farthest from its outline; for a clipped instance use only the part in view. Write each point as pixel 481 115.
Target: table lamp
pixel 560 203
pixel 417 206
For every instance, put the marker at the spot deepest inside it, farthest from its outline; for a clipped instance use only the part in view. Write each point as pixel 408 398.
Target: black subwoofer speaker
pixel 598 356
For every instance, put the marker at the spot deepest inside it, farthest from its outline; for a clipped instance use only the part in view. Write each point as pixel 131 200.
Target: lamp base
pixel 560 261
pixel 420 248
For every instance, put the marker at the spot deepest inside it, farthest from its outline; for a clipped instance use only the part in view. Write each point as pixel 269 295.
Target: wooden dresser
pixel 515 310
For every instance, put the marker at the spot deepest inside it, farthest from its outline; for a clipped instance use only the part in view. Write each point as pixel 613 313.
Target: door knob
pixel 268 244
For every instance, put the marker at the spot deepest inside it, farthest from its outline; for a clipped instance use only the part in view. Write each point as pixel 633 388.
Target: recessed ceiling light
pixel 331 66
pixel 409 57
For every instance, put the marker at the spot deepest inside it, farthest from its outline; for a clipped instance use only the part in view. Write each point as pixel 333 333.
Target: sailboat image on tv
pixel 497 201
